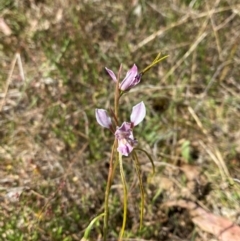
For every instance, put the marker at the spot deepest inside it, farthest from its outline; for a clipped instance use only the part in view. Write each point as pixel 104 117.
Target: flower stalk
pixel 124 144
pixel 107 192
pixel 125 194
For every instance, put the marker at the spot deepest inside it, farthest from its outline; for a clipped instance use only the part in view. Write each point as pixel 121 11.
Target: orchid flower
pixel 131 79
pixel 124 133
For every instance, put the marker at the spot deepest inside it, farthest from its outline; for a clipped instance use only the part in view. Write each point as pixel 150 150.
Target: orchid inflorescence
pixel 124 133
pixel 124 142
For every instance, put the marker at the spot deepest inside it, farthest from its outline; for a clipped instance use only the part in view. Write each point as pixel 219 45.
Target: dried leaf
pixel 222 228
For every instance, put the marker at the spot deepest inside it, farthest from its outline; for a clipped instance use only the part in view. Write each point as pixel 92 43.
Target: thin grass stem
pixel 107 192
pixel 149 157
pixel 138 170
pixel 125 193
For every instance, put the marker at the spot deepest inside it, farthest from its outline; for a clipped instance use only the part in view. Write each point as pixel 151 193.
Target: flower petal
pixel 138 113
pixel 124 128
pixel 103 118
pixel 124 147
pixel 113 76
pixel 131 79
pixel 126 141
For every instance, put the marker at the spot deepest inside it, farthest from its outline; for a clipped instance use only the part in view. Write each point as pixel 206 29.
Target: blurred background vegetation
pixel 54 156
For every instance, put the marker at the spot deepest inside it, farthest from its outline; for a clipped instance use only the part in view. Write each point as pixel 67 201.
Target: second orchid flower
pixel 124 133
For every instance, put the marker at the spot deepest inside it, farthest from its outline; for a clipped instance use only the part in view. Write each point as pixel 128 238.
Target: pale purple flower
pixel 126 140
pixel 124 133
pixel 103 119
pixel 131 79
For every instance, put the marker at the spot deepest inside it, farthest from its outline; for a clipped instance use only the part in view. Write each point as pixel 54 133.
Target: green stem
pixel 125 193
pixel 138 170
pixel 156 61
pixel 107 192
pixel 89 227
pixel 149 157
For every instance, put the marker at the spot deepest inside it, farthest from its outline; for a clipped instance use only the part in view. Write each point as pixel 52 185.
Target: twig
pixel 17 59
pixel 214 28
pixel 8 81
pixel 158 33
pixel 180 22
pixel 202 34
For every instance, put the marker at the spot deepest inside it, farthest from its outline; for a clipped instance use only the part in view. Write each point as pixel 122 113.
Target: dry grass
pixel 52 78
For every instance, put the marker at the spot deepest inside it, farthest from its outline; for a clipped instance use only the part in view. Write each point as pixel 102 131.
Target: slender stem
pixel 115 105
pixel 138 170
pixel 109 183
pixel 125 193
pixel 156 61
pixel 117 94
pixel 149 157
pixel 111 169
pixel 89 227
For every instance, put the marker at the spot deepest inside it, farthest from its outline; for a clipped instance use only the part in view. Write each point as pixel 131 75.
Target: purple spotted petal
pixel 113 76
pixel 132 78
pixel 138 113
pixel 103 118
pixel 126 141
